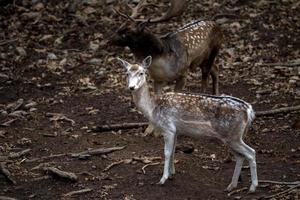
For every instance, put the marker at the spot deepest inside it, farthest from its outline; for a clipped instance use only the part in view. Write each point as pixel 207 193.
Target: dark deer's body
pixel 193 45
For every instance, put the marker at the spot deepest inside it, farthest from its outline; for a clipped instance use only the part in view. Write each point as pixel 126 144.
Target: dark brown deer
pixel 194 45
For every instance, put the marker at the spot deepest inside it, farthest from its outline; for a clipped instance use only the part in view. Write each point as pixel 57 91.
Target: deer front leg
pixel 169 138
pixel 204 81
pixel 180 83
pixel 172 167
pixel 158 86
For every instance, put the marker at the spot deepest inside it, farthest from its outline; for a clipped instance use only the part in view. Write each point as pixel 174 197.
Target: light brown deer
pixel 194 45
pixel 223 117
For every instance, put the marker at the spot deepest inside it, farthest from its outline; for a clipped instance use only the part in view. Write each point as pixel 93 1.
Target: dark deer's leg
pixel 211 69
pixel 215 78
pixel 180 83
pixel 204 80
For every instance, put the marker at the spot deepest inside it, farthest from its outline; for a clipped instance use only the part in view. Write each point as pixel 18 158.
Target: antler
pixel 175 9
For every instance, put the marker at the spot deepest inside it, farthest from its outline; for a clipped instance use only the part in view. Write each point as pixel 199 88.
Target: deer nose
pixel 131 88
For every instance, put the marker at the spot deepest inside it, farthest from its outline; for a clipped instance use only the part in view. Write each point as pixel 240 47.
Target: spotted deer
pixel 223 117
pixel 194 45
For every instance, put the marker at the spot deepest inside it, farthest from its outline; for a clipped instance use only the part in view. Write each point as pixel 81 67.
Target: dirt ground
pixel 59 80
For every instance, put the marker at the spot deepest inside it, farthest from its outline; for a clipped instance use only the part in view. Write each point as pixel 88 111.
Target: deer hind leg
pixel 247 152
pixel 237 171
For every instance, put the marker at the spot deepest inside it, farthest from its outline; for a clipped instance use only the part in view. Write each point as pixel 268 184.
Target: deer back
pixel 200 38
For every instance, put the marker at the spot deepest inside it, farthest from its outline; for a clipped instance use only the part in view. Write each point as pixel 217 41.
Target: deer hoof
pixel 162 181
pixel 252 188
pixel 230 187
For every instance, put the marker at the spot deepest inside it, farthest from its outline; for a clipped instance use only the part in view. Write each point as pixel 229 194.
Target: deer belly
pixel 196 128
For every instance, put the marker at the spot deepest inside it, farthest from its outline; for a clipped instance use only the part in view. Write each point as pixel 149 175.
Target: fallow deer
pixel 194 45
pixel 223 117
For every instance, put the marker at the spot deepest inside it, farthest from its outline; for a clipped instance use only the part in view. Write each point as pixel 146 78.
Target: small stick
pixel 76 192
pixel 281 193
pixel 291 64
pixel 97 151
pixel 63 174
pixel 279 182
pixel 237 191
pixel 7 124
pixel 41 178
pixel 7 41
pixel 278 110
pixel 113 164
pixel 111 127
pixel 146 160
pixel 6 173
pixel 147 165
pixel 7 198
pixel 19 154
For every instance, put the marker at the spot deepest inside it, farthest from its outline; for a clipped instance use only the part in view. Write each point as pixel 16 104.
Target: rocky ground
pixel 59 80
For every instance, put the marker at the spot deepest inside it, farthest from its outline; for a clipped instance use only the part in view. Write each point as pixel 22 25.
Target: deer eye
pixel 141 74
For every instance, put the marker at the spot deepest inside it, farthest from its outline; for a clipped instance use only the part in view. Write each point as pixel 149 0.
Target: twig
pixel 111 127
pixel 279 182
pixel 97 151
pixel 278 110
pixel 6 198
pixel 41 178
pixel 147 165
pixel 6 173
pixel 7 124
pixel 146 160
pixel 7 41
pixel 290 64
pixel 63 174
pixel 46 157
pixel 77 192
pixel 116 163
pixel 59 116
pixel 14 155
pixel 281 193
pixel 237 191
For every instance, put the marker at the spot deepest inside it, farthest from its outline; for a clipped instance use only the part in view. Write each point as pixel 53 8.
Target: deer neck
pixel 147 44
pixel 143 100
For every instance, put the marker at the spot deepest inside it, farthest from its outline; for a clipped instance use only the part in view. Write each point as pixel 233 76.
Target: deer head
pixel 133 29
pixel 136 74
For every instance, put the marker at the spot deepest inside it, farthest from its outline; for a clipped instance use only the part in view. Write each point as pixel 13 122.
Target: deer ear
pixel 147 62
pixel 124 63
